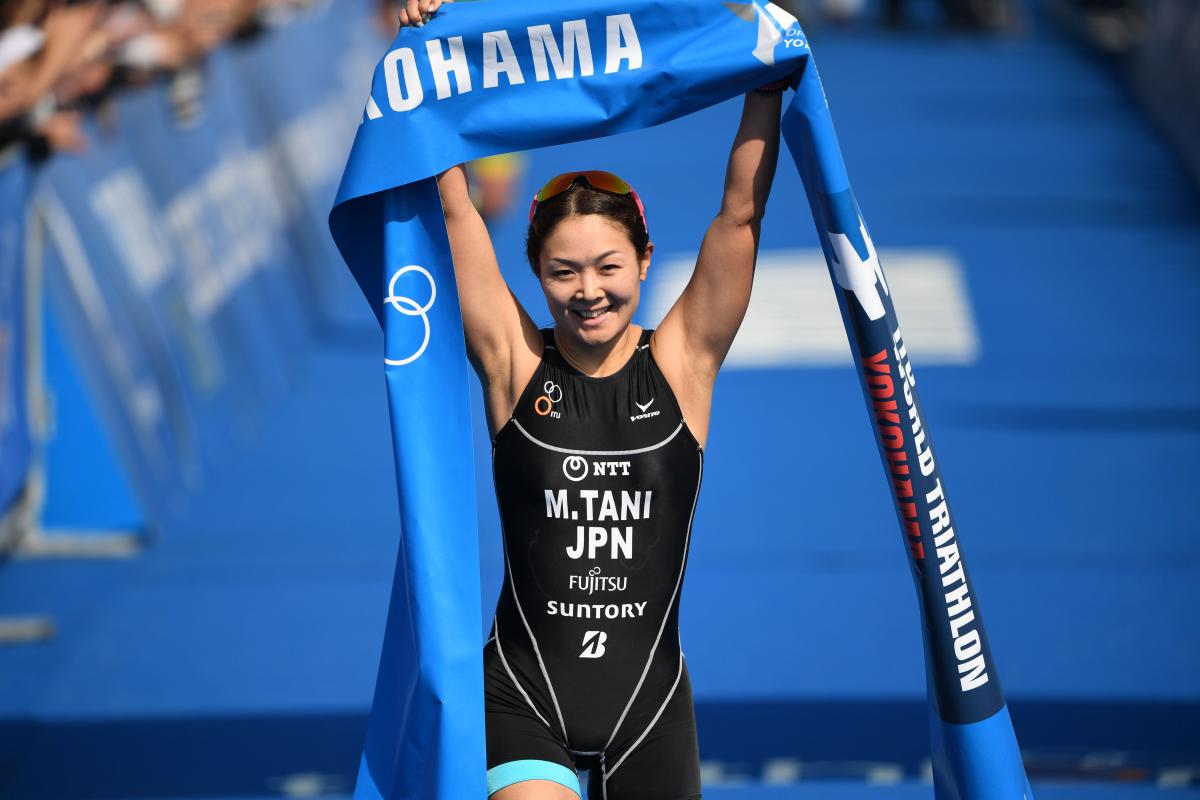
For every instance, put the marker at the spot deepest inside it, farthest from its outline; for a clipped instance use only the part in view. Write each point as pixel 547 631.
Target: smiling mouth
pixel 591 314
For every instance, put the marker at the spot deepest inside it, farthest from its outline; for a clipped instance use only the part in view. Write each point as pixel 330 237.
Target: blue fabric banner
pixel 476 81
pixel 116 344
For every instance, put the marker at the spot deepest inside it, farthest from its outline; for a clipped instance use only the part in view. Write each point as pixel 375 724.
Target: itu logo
pixel 411 308
pixel 775 27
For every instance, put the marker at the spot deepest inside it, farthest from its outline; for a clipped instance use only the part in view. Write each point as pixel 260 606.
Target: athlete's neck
pixel 602 360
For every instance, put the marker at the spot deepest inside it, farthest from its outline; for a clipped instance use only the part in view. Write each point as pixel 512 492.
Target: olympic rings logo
pixel 544 404
pixel 411 308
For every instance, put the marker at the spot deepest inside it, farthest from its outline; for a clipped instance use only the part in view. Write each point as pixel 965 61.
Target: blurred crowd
pixel 959 15
pixel 62 58
pixel 1115 26
pixel 58 57
pixel 981 15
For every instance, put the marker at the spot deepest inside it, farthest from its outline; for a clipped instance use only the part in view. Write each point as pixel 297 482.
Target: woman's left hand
pixel 414 13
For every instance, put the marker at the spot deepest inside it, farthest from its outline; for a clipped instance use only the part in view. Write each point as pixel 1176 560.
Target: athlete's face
pixel 592 278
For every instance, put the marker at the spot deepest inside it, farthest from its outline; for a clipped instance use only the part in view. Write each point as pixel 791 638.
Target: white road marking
pixel 794 320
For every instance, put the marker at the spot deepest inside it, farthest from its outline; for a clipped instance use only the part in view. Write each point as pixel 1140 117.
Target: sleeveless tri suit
pixel 597 481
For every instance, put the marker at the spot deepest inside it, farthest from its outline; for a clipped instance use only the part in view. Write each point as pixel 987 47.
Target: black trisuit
pixel 597 481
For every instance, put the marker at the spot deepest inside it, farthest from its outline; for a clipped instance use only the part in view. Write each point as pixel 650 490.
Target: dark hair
pixel 579 200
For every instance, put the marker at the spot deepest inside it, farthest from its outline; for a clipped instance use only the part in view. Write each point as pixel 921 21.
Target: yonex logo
pixel 411 308
pixel 774 26
pixel 645 413
pixel 858 275
pixel 593 644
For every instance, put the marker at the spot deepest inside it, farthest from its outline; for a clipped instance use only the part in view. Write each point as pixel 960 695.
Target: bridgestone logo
pixel 593 644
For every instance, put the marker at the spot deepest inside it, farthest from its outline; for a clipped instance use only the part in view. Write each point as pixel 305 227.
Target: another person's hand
pixel 414 13
pixel 63 132
pixel 15 95
pixel 85 80
pixel 207 23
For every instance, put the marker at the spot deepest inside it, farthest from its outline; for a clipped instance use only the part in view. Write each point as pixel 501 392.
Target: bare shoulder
pixel 526 356
pixel 504 380
pixel 691 383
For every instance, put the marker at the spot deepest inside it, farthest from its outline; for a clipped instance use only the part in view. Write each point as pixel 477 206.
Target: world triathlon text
pixel 895 426
pixel 553 55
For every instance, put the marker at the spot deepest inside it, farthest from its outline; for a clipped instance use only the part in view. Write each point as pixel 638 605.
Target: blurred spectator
pixel 47 47
pixel 976 15
pixel 58 57
pixel 1116 26
pixel 1165 70
pixel 840 10
pixel 495 182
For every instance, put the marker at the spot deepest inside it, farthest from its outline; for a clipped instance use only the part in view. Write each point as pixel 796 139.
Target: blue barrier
pixel 197 177
pixel 105 330
pixel 128 233
pixel 16 443
pixel 188 257
pixel 306 87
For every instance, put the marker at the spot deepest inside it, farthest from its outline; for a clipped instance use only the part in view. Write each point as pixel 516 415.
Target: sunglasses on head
pixel 596 179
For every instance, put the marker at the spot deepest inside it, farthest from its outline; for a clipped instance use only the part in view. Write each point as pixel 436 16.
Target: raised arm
pixel 502 341
pixel 699 329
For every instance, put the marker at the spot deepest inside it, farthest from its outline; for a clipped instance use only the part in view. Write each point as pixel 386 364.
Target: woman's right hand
pixel 414 13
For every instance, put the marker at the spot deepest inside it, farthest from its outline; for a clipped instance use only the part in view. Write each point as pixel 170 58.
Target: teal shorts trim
pixel 531 770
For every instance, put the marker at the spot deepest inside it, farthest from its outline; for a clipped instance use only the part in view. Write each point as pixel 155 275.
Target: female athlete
pixel 598 432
